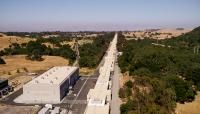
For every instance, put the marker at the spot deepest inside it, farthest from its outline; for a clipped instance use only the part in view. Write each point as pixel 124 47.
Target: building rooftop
pixel 99 97
pixel 97 109
pixel 54 75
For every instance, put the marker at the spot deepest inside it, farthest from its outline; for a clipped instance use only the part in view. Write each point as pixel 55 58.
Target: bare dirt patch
pixel 7 109
pixel 189 108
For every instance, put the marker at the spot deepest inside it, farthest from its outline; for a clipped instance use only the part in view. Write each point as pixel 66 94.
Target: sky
pixel 98 15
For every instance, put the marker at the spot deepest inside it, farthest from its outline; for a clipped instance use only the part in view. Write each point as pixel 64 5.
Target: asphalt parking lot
pixel 76 101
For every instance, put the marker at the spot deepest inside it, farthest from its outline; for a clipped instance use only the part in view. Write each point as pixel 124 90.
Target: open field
pixel 17 63
pixel 155 34
pixel 189 108
pixel 5 41
pixel 80 42
pixel 16 68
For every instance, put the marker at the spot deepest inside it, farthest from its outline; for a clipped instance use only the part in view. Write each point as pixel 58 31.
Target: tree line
pixel 92 53
pixel 35 50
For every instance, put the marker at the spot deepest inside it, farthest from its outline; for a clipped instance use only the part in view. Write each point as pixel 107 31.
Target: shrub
pixel 129 84
pixel 122 93
pixel 2 61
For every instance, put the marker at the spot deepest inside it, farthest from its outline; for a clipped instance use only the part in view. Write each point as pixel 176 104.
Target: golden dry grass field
pixel 80 42
pixel 86 71
pixel 5 41
pixel 19 62
pixel 17 66
pixel 189 108
pixel 162 34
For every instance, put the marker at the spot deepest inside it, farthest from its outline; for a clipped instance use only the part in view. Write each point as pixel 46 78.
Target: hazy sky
pixel 74 15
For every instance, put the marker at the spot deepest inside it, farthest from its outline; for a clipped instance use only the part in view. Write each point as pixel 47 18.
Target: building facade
pixel 51 86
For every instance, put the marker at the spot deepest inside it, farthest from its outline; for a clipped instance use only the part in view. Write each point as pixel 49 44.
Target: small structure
pixel 50 87
pixel 5 88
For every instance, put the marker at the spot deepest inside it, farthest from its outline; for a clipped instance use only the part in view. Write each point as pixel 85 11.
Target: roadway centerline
pixel 79 93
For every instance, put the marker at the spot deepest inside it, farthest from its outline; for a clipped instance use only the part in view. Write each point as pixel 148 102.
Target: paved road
pixel 78 104
pixel 115 102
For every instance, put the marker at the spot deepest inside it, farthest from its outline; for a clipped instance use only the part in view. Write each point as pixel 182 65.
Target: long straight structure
pixel 99 97
pixel 51 86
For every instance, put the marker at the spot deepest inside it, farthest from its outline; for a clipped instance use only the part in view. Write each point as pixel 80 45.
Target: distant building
pixel 50 87
pixel 50 36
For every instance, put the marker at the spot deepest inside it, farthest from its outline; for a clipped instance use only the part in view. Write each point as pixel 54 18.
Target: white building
pixel 50 87
pixel 99 97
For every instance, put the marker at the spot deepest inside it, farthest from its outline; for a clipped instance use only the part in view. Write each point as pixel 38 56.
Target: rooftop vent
pixel 51 82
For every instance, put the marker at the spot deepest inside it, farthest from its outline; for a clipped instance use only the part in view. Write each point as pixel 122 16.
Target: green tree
pixel 183 89
pixel 35 50
pixel 129 84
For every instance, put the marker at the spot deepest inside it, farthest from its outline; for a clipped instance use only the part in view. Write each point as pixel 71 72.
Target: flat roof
pixel 54 75
pixel 100 96
pixel 97 109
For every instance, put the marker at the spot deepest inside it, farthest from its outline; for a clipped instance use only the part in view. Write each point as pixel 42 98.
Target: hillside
pixel 160 75
pixel 188 40
pixel 5 40
pixel 165 33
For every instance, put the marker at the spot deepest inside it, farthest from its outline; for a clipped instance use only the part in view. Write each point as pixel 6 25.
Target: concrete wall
pixel 47 92
pixel 42 93
pixel 64 87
